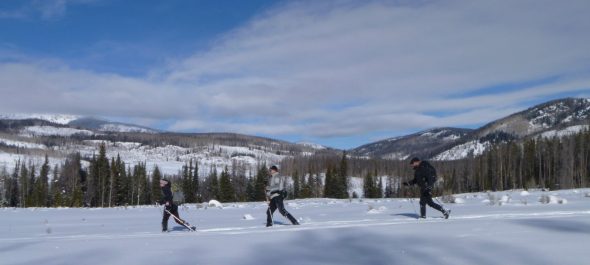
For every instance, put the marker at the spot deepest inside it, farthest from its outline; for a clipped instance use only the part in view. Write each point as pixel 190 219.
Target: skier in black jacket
pixel 425 176
pixel 167 200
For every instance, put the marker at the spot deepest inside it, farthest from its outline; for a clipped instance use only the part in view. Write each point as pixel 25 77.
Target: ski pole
pixel 413 206
pixel 177 219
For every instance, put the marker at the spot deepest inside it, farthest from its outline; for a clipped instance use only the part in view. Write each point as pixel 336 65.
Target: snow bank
pixel 215 203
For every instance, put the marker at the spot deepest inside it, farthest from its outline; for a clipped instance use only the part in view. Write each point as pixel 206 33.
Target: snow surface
pixel 110 127
pixel 472 148
pixel 33 131
pixel 571 130
pixel 170 159
pixel 331 232
pixel 22 144
pixel 313 145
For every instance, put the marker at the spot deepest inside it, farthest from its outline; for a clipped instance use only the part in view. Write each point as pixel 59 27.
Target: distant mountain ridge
pixel 422 144
pixel 109 126
pixel 553 118
pixel 26 136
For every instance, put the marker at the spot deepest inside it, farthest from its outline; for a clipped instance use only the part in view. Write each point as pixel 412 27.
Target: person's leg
pixel 175 213
pixel 284 212
pixel 428 200
pixel 270 211
pixel 423 206
pixel 165 220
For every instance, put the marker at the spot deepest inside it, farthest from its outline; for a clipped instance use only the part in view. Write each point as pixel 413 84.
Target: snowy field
pixel 510 227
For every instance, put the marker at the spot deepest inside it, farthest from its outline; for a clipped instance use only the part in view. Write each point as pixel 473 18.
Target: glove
pixel 406 184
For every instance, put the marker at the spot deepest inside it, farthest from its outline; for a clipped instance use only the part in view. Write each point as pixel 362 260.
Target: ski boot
pixel 447 213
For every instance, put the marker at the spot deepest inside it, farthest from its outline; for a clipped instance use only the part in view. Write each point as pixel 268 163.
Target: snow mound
pixel 215 203
pixel 505 199
pixel 552 199
pixel 376 211
pixel 459 201
pixel 524 193
pixel 248 217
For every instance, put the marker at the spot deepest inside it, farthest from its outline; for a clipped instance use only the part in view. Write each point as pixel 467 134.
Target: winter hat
pixel 415 159
pixel 274 167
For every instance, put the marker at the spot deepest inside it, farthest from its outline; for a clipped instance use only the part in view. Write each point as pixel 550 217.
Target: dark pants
pixel 277 203
pixel 174 210
pixel 426 198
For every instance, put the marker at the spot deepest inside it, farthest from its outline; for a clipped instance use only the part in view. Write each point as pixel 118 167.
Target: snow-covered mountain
pixel 551 119
pixel 555 118
pixel 423 144
pixel 108 126
pixel 62 119
pixel 31 137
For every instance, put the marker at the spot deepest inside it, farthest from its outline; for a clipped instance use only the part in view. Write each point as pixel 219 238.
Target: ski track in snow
pixel 519 230
pixel 306 226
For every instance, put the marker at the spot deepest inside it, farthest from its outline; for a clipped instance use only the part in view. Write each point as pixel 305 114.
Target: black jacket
pixel 167 191
pixel 424 176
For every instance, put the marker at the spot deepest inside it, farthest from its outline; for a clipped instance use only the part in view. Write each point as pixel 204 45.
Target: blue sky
pixel 338 73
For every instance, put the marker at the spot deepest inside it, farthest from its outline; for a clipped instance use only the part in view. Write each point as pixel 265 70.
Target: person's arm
pixel 431 178
pixel 411 182
pixel 167 198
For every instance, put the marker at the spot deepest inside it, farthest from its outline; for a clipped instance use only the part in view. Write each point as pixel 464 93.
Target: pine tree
pixel 250 192
pixel 103 174
pixel 341 190
pixel 306 190
pixel 330 185
pixel 379 192
pixel 227 192
pixel 213 186
pixel 296 185
pixel 24 180
pixel 15 198
pixel 187 183
pixel 261 182
pixel 41 192
pixel 369 187
pixel 113 179
pixel 156 190
pixel 121 183
pixel 196 186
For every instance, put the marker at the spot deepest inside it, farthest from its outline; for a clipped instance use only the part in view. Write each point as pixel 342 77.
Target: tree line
pixel 552 163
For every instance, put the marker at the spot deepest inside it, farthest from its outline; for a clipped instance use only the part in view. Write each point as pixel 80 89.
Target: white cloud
pixel 332 69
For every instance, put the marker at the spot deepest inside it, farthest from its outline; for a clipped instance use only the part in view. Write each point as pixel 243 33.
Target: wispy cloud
pixel 43 9
pixel 289 71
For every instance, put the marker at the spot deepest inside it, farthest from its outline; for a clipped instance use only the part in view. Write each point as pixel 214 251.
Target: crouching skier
pixel 170 207
pixel 425 177
pixel 275 191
